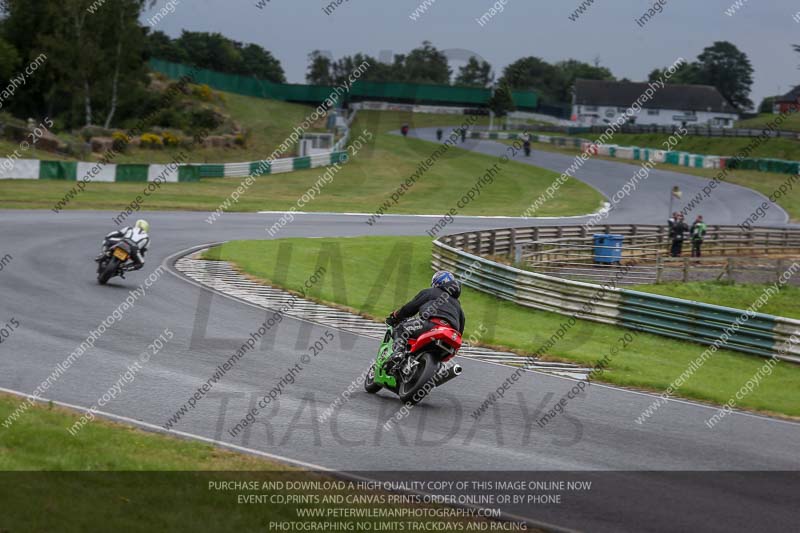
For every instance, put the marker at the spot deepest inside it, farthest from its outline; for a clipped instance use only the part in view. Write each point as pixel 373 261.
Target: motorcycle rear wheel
pixel 414 389
pixel 109 271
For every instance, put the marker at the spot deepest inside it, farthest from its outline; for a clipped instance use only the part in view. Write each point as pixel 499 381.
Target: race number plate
pixel 120 254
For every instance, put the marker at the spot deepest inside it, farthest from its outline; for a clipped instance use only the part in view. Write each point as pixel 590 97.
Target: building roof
pixel 677 97
pixel 792 96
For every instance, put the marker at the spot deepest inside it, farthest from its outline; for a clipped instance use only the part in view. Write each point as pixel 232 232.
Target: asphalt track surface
pixel 49 287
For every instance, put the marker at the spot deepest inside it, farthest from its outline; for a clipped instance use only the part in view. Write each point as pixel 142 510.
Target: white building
pixel 596 102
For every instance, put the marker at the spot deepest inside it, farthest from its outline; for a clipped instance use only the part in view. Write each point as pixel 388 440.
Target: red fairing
pixel 444 334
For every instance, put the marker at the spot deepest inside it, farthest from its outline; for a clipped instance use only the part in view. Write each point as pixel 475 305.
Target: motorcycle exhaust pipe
pixel 447 372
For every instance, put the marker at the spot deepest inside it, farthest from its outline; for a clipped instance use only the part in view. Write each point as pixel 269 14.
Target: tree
pixel 159 45
pixel 258 62
pixel 767 104
pixel 729 70
pixel 424 65
pixel 474 74
pixel 87 58
pixel 214 51
pixel 9 60
pixel 319 69
pixel 572 69
pixel 342 69
pixel 533 73
pixel 720 65
pixel 502 100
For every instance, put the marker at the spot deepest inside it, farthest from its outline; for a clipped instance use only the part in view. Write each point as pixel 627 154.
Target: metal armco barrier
pixel 757 333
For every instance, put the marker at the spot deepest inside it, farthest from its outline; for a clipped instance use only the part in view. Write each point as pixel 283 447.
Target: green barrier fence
pixel 129 172
pixel 188 173
pixel 58 170
pixel 212 171
pixel 417 93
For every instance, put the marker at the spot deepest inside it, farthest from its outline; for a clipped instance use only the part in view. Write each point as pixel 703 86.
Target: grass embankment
pixel 739 295
pixel 375 275
pixel 791 123
pixel 362 185
pixel 130 480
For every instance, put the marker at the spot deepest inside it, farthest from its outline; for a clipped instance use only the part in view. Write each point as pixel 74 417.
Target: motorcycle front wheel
pixel 416 386
pixel 369 381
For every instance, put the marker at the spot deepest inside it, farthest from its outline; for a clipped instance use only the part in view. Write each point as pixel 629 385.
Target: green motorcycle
pixel 425 364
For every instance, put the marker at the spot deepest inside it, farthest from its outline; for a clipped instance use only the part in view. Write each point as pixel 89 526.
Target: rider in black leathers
pixel 439 302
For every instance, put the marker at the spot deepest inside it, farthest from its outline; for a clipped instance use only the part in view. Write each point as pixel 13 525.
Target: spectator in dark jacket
pixel 677 232
pixel 437 304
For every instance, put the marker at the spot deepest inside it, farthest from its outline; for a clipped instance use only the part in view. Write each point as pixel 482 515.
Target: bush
pixel 120 141
pixel 204 119
pixel 151 140
pixel 170 117
pixel 87 132
pixel 203 92
pixel 171 139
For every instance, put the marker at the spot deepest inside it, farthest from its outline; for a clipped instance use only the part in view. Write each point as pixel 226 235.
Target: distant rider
pixel 137 235
pixel 436 306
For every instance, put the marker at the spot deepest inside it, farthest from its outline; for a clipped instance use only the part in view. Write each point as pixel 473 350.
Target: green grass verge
pixel 39 440
pixel 363 184
pixel 130 480
pixel 739 295
pixel 374 275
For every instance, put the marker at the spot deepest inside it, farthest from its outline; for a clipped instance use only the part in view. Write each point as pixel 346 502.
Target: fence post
pixel 659 267
pixel 492 242
pixel 517 254
pixel 729 268
pixel 685 269
pixel 778 269
pixel 512 241
pixel 478 235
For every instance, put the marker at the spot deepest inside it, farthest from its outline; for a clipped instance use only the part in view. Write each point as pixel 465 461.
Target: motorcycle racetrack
pixel 49 287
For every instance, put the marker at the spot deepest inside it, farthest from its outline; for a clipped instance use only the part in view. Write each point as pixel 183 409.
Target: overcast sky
pixel 290 29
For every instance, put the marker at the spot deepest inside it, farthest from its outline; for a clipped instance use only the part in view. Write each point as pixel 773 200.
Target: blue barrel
pixel 607 248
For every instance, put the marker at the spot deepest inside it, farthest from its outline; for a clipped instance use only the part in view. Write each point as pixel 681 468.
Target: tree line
pixel 95 72
pixel 96 67
pixel 721 65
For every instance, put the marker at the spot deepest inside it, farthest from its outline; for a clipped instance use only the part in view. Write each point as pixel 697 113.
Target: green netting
pixel 418 93
pixel 525 99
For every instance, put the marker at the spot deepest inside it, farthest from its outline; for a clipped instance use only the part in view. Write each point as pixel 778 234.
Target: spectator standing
pixel 404 130
pixel 463 135
pixel 698 234
pixel 439 133
pixel 677 233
